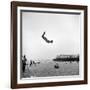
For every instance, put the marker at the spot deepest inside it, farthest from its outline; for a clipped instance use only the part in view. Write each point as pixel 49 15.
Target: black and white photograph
pixel 49 46
pixel 50 43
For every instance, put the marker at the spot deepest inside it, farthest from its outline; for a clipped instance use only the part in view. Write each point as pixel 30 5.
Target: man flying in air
pixel 48 41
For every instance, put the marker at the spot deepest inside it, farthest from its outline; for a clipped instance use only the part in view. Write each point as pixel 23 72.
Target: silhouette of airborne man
pixel 48 41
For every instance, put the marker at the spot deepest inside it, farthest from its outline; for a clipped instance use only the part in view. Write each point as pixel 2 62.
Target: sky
pixel 63 29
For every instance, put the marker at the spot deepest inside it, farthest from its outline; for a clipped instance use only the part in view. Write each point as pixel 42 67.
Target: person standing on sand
pixel 24 63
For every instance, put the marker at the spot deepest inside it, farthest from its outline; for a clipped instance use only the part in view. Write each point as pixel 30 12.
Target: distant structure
pixel 48 41
pixel 67 58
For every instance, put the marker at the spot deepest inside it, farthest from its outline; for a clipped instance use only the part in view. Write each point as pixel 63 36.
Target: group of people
pixel 24 63
pixel 33 63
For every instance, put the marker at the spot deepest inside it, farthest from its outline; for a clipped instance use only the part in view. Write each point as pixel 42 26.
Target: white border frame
pixel 54 78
